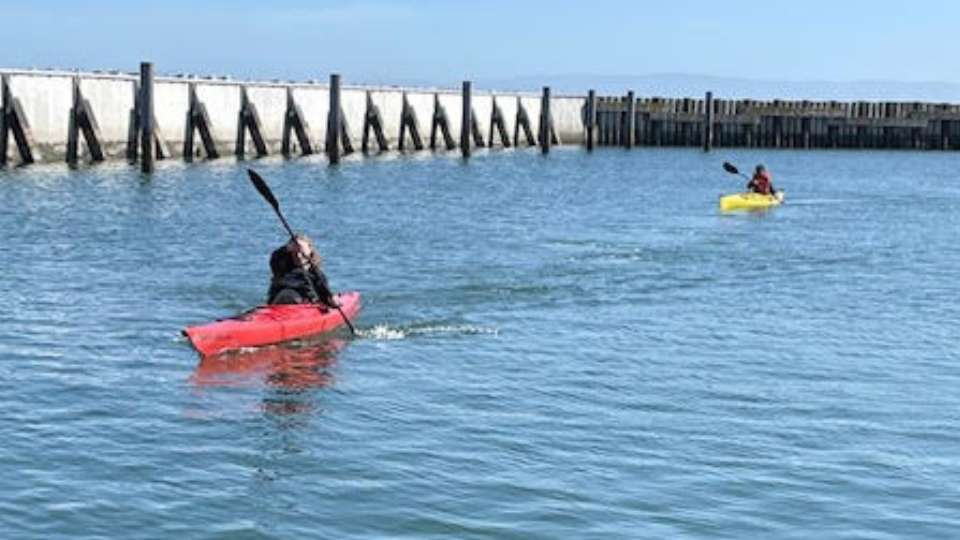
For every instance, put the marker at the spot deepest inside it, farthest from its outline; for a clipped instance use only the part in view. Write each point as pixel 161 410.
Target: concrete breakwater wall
pixel 76 117
pixel 709 122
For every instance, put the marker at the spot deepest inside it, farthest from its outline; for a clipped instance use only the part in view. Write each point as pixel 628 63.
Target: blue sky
pixel 447 41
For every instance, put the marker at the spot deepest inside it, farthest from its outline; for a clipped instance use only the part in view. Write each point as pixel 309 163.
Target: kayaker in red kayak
pixel 761 182
pixel 296 266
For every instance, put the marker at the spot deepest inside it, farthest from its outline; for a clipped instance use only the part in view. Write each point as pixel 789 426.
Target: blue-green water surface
pixel 579 346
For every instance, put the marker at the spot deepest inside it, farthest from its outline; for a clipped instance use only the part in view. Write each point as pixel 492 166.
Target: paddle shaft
pixel 264 190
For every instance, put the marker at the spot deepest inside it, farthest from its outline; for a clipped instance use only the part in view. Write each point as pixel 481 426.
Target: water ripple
pixel 549 348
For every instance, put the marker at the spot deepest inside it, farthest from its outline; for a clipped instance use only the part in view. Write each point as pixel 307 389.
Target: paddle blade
pixel 727 167
pixel 263 188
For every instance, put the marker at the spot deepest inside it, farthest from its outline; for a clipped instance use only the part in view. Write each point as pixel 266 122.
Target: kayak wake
pixel 386 332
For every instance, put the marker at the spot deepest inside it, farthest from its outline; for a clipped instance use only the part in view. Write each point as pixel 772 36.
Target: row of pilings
pixel 145 142
pixel 335 146
pixel 628 121
pixel 624 121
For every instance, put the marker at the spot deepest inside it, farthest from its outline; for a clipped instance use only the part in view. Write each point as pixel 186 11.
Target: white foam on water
pixel 384 332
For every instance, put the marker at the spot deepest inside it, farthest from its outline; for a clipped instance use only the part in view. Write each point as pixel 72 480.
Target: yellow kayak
pixel 749 201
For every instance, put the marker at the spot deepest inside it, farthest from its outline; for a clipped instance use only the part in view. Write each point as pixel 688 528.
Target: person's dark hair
pixel 761 168
pixel 294 247
pixel 281 263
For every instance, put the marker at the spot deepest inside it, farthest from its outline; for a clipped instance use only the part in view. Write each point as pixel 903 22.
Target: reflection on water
pixel 291 367
pixel 290 374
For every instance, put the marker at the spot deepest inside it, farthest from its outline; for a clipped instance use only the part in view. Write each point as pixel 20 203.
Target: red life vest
pixel 762 183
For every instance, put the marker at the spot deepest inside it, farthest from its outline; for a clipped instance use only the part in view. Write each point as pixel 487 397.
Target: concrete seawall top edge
pixel 215 80
pixel 227 81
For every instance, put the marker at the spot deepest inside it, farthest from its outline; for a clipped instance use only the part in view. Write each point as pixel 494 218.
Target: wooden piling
pixel 83 121
pixel 249 120
pixel 475 131
pixel 372 121
pixel 498 126
pixel 833 136
pixel 601 125
pixel 346 144
pixel 198 120
pixel 4 128
pixel 440 125
pixel 73 130
pixel 466 124
pixel 334 121
pixel 409 124
pixel 778 132
pixel 146 117
pixel 617 121
pixel 630 124
pixel 545 122
pixel 523 124
pixel 590 120
pixel 295 122
pixel 708 122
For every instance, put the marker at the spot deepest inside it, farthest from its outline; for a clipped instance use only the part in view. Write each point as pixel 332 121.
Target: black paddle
pixel 261 185
pixel 733 170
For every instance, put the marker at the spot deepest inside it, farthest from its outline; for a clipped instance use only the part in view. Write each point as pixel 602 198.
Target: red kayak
pixel 267 325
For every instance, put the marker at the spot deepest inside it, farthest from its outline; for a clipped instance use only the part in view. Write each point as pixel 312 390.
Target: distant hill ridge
pixel 692 85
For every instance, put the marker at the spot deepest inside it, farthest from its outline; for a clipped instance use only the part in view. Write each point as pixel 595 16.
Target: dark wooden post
pixel 240 149
pixel 497 126
pixel 545 125
pixel 191 123
pixel 440 122
pixel 833 136
pixel 708 122
pixel 334 121
pixel 591 119
pixel 82 120
pixel 4 115
pixel 600 123
pixel 467 120
pixel 73 131
pixel 146 117
pixel 630 126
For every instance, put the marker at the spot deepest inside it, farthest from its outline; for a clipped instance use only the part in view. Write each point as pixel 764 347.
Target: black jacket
pixel 294 288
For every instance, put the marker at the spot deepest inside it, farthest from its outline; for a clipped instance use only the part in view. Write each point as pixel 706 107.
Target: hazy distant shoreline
pixel 690 85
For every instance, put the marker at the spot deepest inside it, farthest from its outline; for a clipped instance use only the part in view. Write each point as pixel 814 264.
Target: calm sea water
pixel 572 347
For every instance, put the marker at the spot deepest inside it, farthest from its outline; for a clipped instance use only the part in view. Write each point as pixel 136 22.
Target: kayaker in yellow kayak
pixel 296 266
pixel 761 182
pixel 760 192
